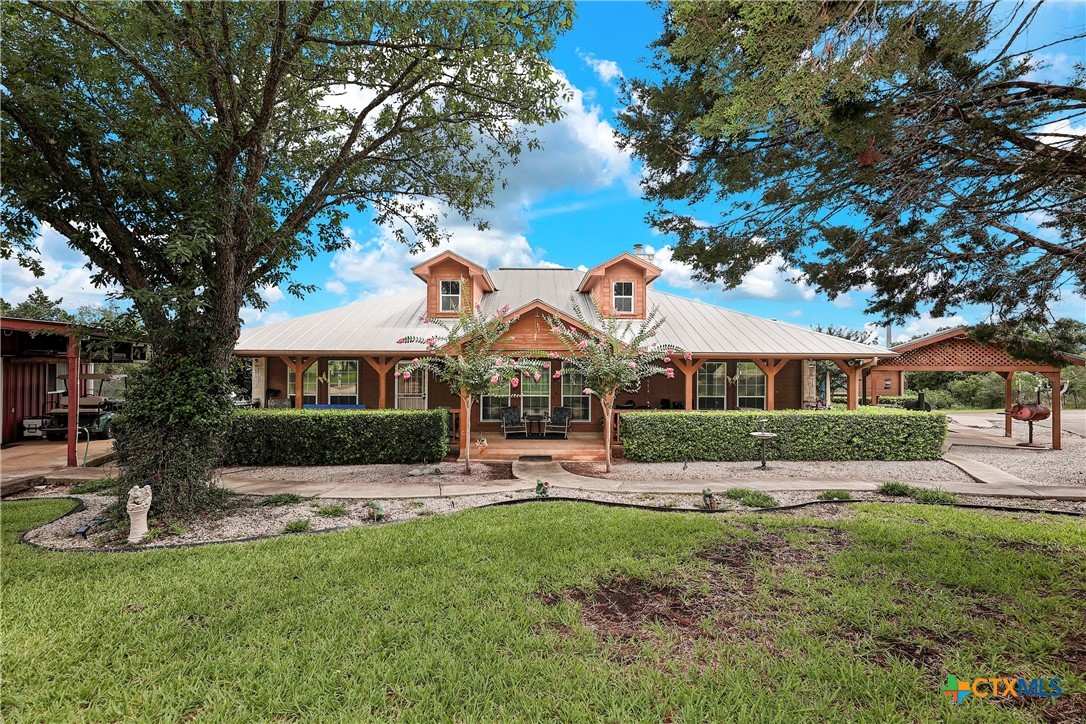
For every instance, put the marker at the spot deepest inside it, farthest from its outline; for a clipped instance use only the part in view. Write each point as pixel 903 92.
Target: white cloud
pixel 928 324
pixel 769 280
pixel 335 286
pixel 66 275
pixel 1052 67
pixel 271 295
pixel 259 317
pixel 579 153
pixel 1061 133
pixel 606 70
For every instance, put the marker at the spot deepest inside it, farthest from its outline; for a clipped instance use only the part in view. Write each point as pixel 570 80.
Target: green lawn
pixel 475 616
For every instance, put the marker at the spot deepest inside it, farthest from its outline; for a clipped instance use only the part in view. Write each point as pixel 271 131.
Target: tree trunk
pixel 466 422
pixel 608 403
pixel 170 431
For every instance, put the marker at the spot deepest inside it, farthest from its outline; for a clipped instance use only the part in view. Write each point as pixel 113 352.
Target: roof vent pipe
pixel 639 252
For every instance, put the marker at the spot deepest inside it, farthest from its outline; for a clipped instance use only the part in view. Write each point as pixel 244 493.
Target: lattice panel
pixel 959 352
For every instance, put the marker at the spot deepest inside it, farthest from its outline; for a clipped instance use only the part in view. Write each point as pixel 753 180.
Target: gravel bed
pixel 874 471
pixel 383 474
pixel 1042 467
pixel 249 519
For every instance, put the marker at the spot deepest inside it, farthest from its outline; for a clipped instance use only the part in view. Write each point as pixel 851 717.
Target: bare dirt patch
pixel 707 604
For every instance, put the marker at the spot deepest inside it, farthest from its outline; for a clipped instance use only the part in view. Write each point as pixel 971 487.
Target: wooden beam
pixel 770 368
pixel 1008 393
pixel 851 374
pixel 689 369
pixel 382 365
pixel 1057 430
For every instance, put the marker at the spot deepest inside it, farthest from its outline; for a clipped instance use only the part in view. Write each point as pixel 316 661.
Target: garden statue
pixel 139 502
pixel 708 499
pixel 542 489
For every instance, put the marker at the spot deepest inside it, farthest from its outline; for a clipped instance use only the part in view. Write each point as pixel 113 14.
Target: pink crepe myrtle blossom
pixel 431 342
pixel 406 374
pixel 582 344
pixel 504 310
pixel 555 355
pixel 536 377
pixel 494 380
pixel 498 362
pixel 515 382
pixel 546 365
pixel 688 356
pixel 667 359
pixel 586 391
pixel 556 375
pixel 670 373
pixel 633 365
pixel 415 361
pixel 670 352
pixel 397 374
pixel 399 341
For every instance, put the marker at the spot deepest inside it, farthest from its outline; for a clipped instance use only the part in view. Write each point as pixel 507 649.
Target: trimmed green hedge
pixel 867 434
pixel 337 437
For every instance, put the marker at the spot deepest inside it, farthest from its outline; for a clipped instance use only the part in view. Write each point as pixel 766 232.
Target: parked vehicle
pixel 96 409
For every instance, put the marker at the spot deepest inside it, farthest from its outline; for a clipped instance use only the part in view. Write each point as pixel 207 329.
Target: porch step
pixel 535 458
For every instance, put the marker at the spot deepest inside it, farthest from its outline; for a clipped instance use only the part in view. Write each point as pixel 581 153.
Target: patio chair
pixel 559 422
pixel 512 423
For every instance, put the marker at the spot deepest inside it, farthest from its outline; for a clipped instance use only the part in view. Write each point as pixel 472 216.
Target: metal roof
pixel 374 325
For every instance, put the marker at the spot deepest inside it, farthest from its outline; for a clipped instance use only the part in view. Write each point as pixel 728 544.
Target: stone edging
pixel 520 501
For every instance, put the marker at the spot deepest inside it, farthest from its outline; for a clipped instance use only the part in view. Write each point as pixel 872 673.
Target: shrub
pixel 751 498
pixel 332 511
pixel 835 495
pixel 297 526
pixel 896 400
pixel 282 499
pixel 933 496
pixel 337 437
pixel 871 433
pixel 896 490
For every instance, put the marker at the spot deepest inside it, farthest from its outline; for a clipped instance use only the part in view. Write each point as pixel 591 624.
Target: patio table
pixel 537 419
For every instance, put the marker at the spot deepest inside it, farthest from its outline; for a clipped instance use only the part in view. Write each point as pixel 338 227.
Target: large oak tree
pixel 196 151
pixel 917 150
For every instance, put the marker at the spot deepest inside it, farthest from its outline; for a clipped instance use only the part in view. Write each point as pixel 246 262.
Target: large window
pixel 535 396
pixel 750 389
pixel 343 382
pixel 309 385
pixel 713 386
pixel 622 297
pixel 573 397
pixel 450 295
pixel 491 404
pixel 411 394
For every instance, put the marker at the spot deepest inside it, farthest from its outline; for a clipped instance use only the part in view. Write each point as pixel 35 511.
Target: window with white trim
pixel 450 295
pixel 573 396
pixel 309 385
pixel 535 395
pixel 491 404
pixel 750 389
pixel 343 382
pixel 622 297
pixel 713 386
pixel 411 394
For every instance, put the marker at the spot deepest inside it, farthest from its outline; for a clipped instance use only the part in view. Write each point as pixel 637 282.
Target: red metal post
pixel 73 400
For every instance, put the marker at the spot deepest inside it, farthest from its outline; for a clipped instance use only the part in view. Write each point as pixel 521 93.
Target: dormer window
pixel 622 297
pixel 450 295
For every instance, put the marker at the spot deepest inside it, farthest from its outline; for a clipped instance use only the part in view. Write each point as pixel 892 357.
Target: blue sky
pixel 574 203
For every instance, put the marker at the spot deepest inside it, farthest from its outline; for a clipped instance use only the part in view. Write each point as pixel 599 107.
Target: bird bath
pixel 762 435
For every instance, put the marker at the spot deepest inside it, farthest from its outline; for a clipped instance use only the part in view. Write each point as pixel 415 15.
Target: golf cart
pixel 96 409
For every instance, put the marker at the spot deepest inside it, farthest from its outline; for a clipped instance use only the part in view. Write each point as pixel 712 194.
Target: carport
pixel 953 350
pixel 30 352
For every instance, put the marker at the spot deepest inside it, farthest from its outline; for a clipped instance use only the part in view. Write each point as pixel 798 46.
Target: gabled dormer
pixel 451 283
pixel 619 285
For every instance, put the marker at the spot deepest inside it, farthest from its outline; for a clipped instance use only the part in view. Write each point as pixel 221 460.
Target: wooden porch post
pixel 1008 393
pixel 850 374
pixel 689 369
pixel 770 367
pixel 381 365
pixel 73 400
pixel 299 365
pixel 1057 431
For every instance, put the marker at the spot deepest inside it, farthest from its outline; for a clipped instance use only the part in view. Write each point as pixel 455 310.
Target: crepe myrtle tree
pixel 613 356
pixel 466 356
pixel 195 152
